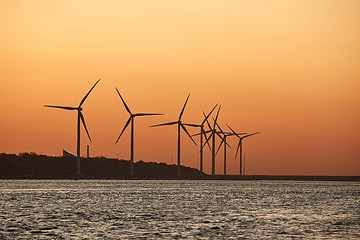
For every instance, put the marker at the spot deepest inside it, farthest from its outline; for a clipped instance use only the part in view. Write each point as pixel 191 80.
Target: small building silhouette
pixel 67 154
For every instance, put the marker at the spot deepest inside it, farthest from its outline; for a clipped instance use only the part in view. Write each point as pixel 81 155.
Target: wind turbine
pixel 202 133
pixel 223 141
pixel 180 125
pixel 212 135
pixel 131 120
pixel 239 147
pixel 80 118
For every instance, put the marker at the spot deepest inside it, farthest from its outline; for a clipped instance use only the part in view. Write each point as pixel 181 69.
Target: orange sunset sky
pixel 290 69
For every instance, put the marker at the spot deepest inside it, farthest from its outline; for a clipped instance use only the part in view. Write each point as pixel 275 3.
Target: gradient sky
pixel 290 69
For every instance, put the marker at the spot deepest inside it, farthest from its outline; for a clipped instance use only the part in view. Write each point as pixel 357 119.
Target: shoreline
pixel 206 178
pixel 33 166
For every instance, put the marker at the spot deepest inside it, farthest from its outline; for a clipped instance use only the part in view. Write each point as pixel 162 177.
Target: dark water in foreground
pixel 46 209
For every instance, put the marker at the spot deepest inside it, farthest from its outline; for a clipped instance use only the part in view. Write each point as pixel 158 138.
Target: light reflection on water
pixel 63 209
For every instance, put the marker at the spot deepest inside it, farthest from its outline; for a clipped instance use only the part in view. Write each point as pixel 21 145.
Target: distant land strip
pixel 33 166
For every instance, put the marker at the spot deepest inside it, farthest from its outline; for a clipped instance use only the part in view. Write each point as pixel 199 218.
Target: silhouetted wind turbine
pixel 239 147
pixel 223 141
pixel 182 125
pixel 212 135
pixel 80 117
pixel 131 120
pixel 202 133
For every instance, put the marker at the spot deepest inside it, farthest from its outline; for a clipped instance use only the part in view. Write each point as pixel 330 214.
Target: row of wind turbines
pixel 214 131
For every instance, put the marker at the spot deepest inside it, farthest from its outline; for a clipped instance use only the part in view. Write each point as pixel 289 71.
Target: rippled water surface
pixel 60 209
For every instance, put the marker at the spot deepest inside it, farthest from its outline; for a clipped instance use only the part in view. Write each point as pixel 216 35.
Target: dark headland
pixel 33 166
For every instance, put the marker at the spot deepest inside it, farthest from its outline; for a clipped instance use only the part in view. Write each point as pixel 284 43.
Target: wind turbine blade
pixel 207 131
pixel 237 134
pixel 126 106
pixel 191 124
pixel 203 132
pixel 250 135
pixel 84 124
pixel 182 111
pixel 217 133
pixel 126 125
pixel 220 128
pixel 147 114
pixel 206 143
pixel 207 116
pixel 217 115
pixel 164 124
pixel 61 107
pixel 183 127
pixel 233 131
pixel 209 126
pixel 207 139
pixel 83 100
pixel 238 147
pixel 197 134
pixel 219 147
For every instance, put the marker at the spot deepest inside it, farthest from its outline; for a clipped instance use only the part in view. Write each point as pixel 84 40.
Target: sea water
pixel 126 209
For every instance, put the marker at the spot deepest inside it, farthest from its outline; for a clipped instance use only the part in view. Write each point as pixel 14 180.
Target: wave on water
pixel 125 209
